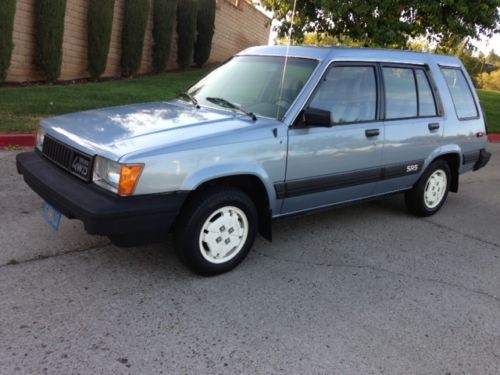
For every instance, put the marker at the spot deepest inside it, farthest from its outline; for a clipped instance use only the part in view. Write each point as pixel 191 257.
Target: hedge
pixel 186 32
pixel 164 13
pixel 205 30
pixel 7 11
pixel 99 22
pixel 134 30
pixel 49 30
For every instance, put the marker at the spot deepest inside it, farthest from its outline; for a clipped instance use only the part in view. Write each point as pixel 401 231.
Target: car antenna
pixel 290 30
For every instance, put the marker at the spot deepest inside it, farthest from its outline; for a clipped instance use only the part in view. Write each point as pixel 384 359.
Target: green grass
pixel 21 108
pixel 491 104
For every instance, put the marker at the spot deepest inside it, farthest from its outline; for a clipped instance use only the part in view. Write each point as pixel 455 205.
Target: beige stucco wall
pixel 236 28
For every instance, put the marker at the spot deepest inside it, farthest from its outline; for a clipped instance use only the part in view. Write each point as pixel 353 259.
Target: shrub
pixel 205 30
pixel 186 32
pixel 134 30
pixel 163 27
pixel 49 30
pixel 100 22
pixel 489 81
pixel 7 11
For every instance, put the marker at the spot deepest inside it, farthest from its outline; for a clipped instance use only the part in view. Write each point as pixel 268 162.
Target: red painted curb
pixel 19 140
pixel 494 137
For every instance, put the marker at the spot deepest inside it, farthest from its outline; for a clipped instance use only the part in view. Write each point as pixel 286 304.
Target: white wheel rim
pixel 223 234
pixel 435 188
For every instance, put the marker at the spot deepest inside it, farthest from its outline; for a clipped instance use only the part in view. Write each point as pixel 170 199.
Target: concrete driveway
pixel 367 289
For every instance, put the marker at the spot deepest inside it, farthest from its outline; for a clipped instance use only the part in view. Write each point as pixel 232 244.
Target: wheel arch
pixel 252 185
pixel 453 158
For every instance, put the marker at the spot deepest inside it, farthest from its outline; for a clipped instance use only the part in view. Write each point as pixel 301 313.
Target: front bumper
pixel 133 220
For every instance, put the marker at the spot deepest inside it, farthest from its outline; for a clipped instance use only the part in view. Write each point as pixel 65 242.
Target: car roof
pixel 353 54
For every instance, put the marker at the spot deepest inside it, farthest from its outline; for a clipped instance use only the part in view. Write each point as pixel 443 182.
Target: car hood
pixel 114 132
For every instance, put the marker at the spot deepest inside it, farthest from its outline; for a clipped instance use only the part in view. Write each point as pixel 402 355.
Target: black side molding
pixel 318 184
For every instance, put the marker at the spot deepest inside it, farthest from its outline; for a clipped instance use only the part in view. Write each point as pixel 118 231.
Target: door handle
pixel 434 126
pixel 372 132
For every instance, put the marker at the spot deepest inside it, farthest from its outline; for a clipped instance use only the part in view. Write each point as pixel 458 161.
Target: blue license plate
pixel 51 215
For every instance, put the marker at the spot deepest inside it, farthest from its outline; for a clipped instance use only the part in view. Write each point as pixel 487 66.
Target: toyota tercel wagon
pixel 272 133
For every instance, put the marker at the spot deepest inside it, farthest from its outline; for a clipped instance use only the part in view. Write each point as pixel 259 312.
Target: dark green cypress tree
pixel 164 14
pixel 134 30
pixel 186 32
pixel 7 11
pixel 49 31
pixel 205 31
pixel 100 22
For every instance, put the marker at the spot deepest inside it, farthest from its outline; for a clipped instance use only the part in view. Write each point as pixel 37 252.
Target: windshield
pixel 256 84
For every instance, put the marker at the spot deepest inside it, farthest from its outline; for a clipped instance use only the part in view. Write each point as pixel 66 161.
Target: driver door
pixel 340 163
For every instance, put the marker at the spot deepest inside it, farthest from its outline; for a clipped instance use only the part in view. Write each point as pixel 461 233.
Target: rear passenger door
pixel 413 124
pixel 329 165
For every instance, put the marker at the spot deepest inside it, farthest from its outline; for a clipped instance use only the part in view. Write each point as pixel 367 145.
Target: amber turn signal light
pixel 129 176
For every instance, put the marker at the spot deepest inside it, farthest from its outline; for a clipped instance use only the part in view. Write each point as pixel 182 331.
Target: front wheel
pixel 216 230
pixel 431 191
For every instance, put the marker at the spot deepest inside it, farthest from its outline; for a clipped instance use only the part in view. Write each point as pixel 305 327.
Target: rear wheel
pixel 216 230
pixel 431 191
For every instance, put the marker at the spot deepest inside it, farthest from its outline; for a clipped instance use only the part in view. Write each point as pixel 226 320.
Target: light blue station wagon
pixel 274 132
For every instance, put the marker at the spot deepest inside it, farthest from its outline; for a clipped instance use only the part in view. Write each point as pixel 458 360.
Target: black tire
pixel 415 198
pixel 197 211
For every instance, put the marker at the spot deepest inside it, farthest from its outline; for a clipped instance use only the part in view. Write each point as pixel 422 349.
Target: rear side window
pixel 349 93
pixel 400 93
pixel 461 94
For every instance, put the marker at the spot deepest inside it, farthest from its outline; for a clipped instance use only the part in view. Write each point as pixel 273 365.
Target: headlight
pixel 40 136
pixel 118 178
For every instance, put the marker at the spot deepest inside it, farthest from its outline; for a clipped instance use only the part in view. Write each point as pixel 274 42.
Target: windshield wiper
pixel 191 98
pixel 227 104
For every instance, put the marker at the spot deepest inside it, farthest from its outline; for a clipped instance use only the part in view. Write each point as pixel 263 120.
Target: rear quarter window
pixel 461 94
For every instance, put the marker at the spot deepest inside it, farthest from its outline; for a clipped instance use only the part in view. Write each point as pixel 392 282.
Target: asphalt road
pixel 367 289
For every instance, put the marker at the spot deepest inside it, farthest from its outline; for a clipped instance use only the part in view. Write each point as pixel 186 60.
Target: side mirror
pixel 318 117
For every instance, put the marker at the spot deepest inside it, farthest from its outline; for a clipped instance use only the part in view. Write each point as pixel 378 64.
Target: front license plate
pixel 51 216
